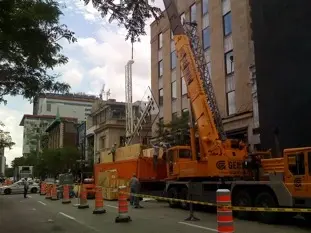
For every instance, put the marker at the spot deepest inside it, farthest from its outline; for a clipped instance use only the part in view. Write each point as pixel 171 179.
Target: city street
pixel 36 214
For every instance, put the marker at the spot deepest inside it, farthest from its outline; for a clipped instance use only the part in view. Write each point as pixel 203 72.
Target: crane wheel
pixel 184 196
pixel 173 193
pixel 242 198
pixel 266 199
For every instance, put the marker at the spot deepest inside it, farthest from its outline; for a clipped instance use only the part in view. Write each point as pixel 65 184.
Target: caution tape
pixel 236 208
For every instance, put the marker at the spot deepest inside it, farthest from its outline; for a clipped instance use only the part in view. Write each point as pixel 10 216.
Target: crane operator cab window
pixel 184 154
pixel 296 163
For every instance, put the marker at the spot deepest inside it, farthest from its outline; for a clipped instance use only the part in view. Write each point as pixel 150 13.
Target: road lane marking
pixel 41 202
pixel 198 226
pixel 77 221
pixel 112 206
pixel 67 216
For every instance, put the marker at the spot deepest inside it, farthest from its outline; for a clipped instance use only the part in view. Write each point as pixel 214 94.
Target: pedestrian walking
pixel 26 186
pixel 135 188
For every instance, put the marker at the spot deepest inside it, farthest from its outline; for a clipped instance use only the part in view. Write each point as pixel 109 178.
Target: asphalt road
pixel 36 214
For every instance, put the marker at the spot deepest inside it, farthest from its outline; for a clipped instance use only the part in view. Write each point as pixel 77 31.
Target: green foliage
pixel 176 131
pixel 9 172
pixel 51 161
pixel 128 13
pixel 30 33
pixel 5 138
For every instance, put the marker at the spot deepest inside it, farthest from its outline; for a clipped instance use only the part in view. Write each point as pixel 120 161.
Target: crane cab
pixel 297 174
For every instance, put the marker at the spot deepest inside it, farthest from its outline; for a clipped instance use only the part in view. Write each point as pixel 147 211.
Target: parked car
pixel 18 187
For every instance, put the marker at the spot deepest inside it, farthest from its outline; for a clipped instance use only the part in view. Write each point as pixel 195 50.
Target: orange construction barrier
pixel 83 198
pixel 54 193
pixel 224 213
pixel 123 206
pixel 66 198
pixel 99 201
pixel 43 188
pixel 48 191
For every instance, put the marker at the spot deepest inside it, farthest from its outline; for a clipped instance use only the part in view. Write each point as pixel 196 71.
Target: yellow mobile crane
pixel 220 162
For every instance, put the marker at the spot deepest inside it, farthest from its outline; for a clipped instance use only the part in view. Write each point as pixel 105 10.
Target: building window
pixel 206 38
pixel 183 87
pixel 160 40
pixel 161 96
pixel 193 13
pixel 174 116
pixel 48 107
pixel 204 7
pixel 160 68
pixel 230 95
pixel 229 62
pixel 227 24
pixel 231 103
pixel 174 90
pixel 173 60
pixel 182 18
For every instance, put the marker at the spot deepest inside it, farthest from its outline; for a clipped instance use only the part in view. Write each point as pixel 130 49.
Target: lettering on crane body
pixel 232 164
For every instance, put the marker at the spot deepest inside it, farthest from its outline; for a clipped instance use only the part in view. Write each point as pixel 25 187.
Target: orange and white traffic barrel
pixel 83 198
pixel 48 191
pixel 224 211
pixel 99 201
pixel 66 198
pixel 43 188
pixel 123 215
pixel 54 193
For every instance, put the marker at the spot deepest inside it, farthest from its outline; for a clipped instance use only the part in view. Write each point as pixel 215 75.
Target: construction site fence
pixel 234 208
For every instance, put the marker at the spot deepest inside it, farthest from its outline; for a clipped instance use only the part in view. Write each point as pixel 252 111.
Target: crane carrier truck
pixel 213 161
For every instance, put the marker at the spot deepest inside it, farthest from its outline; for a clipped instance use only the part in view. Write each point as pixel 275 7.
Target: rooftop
pixel 70 96
pixel 50 117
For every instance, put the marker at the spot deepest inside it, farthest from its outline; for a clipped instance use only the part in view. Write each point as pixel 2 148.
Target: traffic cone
pixel 83 199
pixel 54 193
pixel 48 192
pixel 43 188
pixel 99 201
pixel 123 206
pixel 224 212
pixel 66 198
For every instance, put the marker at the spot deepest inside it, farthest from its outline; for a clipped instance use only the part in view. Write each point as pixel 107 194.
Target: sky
pixel 98 58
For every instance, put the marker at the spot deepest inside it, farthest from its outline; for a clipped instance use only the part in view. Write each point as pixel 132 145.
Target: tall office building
pixel 281 34
pixel 224 30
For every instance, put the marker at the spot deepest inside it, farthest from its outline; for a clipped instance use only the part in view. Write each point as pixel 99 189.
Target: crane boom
pixel 203 115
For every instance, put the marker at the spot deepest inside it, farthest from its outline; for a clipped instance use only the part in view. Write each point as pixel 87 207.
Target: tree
pixel 5 138
pixel 176 131
pixel 50 162
pixel 128 13
pixel 9 172
pixel 30 33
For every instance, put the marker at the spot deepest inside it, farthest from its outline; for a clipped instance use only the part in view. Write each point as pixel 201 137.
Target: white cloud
pixel 11 118
pixel 72 72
